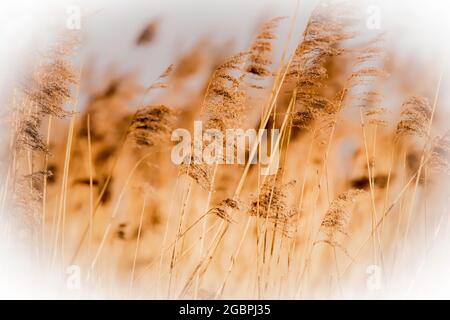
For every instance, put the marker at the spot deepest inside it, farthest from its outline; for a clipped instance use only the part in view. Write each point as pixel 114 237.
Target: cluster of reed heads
pixel 357 185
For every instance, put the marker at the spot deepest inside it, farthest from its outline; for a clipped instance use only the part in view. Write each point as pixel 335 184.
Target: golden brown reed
pixel 414 117
pixel 152 125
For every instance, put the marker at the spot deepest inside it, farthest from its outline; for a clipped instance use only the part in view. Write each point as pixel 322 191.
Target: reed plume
pixel 222 108
pixel 414 117
pixel 260 59
pixel 438 158
pixel 28 134
pixel 326 30
pixel 225 96
pixel 46 95
pixel 152 125
pixel 148 33
pixel 337 217
pixel 223 208
pixel 272 199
